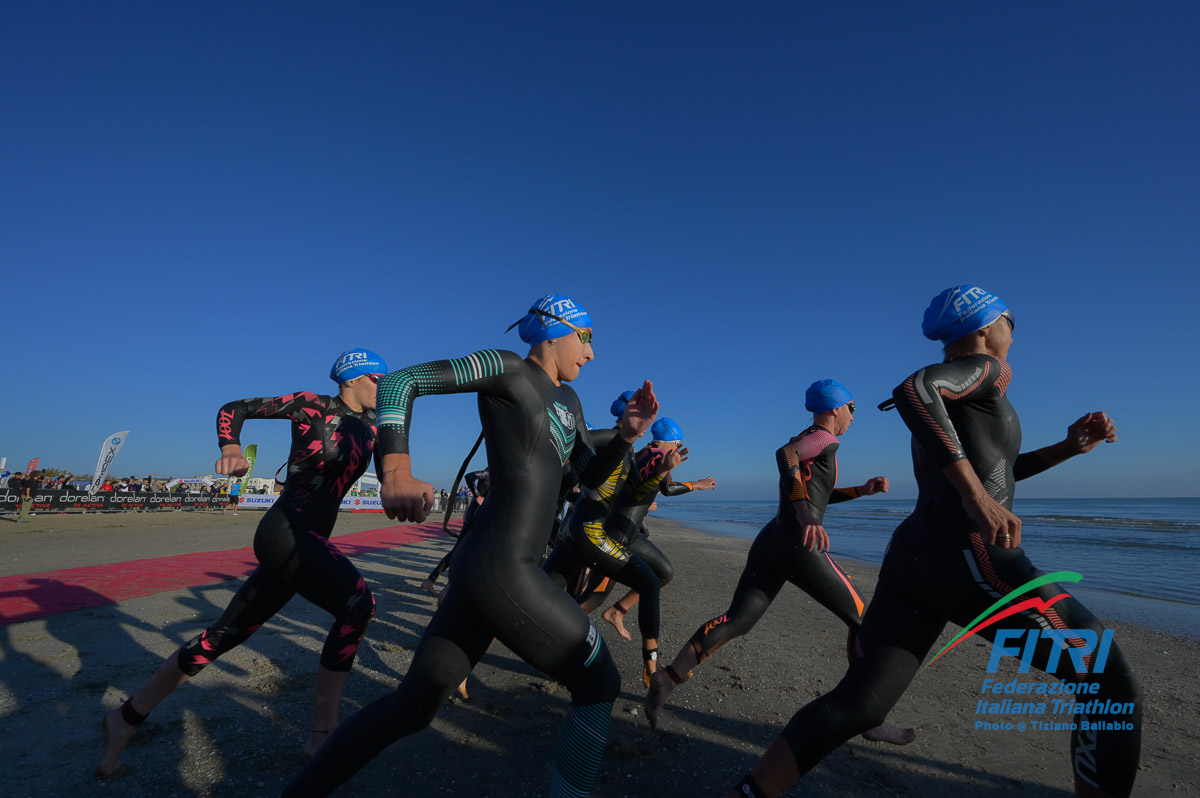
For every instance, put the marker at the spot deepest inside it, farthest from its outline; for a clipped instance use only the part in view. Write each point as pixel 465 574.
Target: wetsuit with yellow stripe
pixel 590 509
pixel 807 474
pixel 598 536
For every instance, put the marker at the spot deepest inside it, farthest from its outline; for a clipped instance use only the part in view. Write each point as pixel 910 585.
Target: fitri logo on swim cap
pixel 967 302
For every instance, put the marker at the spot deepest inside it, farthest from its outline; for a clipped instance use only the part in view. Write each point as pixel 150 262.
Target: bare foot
pixel 430 588
pixel 656 698
pixel 316 739
pixel 462 691
pixel 890 733
pixel 617 619
pixel 118 733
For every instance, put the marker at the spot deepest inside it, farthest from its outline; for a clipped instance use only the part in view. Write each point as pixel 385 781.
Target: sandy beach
pixel 237 728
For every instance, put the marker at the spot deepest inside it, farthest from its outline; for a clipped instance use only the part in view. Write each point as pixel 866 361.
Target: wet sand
pixel 237 728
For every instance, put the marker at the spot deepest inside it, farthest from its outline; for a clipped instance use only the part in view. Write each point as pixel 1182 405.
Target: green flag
pixel 249 454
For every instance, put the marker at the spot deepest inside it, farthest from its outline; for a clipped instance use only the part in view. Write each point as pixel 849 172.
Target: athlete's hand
pixel 996 523
pixel 404 497
pixel 1090 431
pixel 231 462
pixel 672 460
pixel 815 538
pixel 640 412
pixel 875 485
pixel 708 483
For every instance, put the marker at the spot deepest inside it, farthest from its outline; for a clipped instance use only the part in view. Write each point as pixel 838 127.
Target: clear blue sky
pixel 202 202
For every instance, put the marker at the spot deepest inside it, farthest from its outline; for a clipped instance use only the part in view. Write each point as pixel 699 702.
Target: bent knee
pixel 600 681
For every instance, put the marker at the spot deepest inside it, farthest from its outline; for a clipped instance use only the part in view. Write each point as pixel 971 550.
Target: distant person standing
pixel 30 486
pixel 235 492
pixel 16 484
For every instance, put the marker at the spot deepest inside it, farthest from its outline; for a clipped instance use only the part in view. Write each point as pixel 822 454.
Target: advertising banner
pixel 352 504
pixel 60 500
pixel 29 469
pixel 108 452
pixel 50 501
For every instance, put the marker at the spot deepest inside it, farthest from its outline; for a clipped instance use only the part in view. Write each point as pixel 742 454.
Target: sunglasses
pixel 1012 322
pixel 375 378
pixel 850 405
pixel 584 335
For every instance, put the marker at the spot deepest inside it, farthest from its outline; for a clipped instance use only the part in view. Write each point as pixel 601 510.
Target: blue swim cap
pixel 960 311
pixel 356 363
pixel 537 326
pixel 617 408
pixel 825 395
pixel 665 430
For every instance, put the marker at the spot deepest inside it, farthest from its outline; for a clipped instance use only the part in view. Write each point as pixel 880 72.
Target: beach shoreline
pixel 237 728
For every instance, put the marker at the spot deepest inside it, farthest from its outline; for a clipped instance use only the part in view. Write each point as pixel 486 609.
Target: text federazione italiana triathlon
pixel 1072 702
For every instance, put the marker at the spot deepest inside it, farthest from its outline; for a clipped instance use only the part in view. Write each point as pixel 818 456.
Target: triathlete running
pixel 629 513
pixel 533 425
pixel 792 547
pixel 597 535
pixel 332 439
pixel 959 554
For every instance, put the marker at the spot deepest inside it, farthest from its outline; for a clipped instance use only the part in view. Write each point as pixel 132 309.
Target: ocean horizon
pixel 1136 556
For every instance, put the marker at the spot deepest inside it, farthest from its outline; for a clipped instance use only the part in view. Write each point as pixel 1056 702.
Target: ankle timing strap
pixel 749 787
pixel 131 715
pixel 650 654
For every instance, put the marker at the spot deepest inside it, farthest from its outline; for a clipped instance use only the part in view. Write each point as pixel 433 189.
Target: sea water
pixel 1138 557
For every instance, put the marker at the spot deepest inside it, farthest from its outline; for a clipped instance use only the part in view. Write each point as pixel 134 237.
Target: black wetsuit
pixel 593 503
pixel 331 447
pixel 939 569
pixel 532 428
pixel 601 536
pixel 807 474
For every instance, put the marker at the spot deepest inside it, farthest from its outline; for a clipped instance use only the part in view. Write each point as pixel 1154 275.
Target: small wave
pixel 1152 524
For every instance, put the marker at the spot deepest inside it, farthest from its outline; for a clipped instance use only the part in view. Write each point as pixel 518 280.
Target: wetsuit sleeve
pixel 232 415
pixel 1029 464
pixel 479 372
pixel 645 478
pixel 840 495
pixel 922 400
pixel 675 488
pixel 810 487
pixel 593 465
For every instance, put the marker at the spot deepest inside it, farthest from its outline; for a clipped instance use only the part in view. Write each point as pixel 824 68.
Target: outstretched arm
pixel 1085 434
pixel 869 488
pixel 233 415
pixel 680 488
pixel 404 497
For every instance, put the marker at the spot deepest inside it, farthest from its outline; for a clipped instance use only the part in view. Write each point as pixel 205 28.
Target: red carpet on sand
pixel 29 596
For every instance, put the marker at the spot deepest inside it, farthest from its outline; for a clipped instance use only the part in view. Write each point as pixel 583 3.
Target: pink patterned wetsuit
pixel 331 447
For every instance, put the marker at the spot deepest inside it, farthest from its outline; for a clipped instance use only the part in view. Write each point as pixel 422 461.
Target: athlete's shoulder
pixel 810 444
pixel 970 376
pixel 647 461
